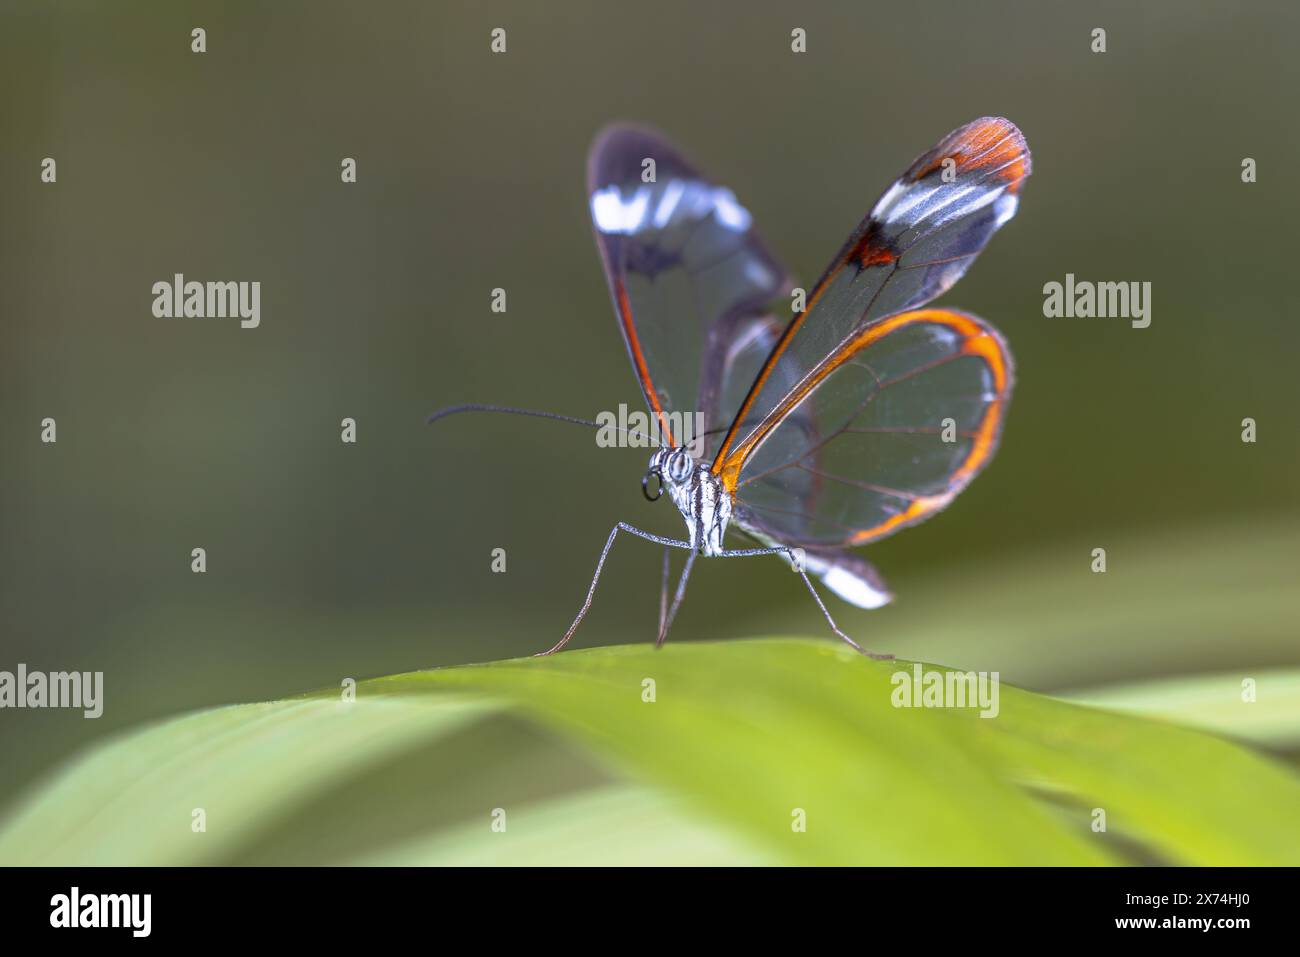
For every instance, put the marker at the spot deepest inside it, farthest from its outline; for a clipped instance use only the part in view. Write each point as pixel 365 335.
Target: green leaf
pixel 1270 716
pixel 742 742
pixel 607 826
pixel 132 799
pixel 790 723
pixel 753 731
pixel 1189 797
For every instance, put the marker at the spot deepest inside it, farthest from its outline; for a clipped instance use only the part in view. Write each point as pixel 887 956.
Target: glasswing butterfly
pixel 861 414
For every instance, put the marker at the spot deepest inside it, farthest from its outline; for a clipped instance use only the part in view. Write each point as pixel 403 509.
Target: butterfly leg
pixel 831 621
pixel 604 553
pixel 663 593
pixel 677 599
pixel 797 565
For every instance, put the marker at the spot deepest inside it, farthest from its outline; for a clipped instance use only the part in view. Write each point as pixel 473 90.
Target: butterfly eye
pixel 681 469
pixel 659 485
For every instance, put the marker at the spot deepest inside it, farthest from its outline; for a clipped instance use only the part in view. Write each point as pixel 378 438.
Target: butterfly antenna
pixel 535 413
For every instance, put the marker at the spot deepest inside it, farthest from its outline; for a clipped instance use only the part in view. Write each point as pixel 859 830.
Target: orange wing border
pixel 977 338
pixel 639 364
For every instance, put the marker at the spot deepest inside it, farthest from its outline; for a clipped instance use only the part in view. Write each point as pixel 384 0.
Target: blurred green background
pixel 328 560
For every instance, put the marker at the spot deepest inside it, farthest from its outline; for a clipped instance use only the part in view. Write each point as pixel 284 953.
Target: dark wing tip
pixel 617 151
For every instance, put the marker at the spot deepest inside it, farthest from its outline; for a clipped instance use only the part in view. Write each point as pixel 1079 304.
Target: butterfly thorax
pixel 698 494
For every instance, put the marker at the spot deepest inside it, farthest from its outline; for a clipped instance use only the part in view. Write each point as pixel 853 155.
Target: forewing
pixel 918 239
pixel 686 269
pixel 891 427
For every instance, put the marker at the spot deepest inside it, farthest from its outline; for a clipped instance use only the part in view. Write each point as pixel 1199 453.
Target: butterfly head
pixel 671 468
pixel 697 493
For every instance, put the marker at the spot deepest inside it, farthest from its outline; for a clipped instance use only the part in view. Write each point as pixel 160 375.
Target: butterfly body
pixel 699 495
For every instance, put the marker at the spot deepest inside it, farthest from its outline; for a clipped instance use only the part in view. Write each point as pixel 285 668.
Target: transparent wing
pixel 686 270
pixel 919 238
pixel 733 365
pixel 889 428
